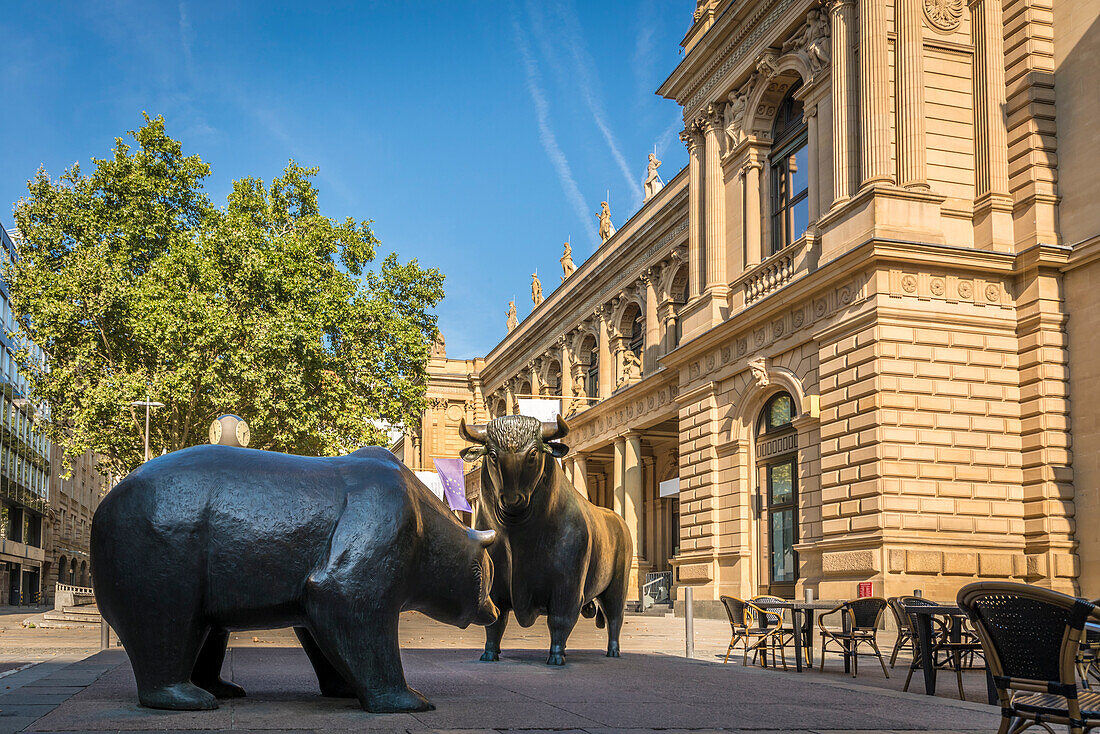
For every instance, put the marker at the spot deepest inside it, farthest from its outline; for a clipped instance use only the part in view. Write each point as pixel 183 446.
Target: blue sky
pixel 477 135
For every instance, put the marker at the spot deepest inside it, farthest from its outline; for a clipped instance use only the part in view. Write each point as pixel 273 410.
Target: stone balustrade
pixel 768 276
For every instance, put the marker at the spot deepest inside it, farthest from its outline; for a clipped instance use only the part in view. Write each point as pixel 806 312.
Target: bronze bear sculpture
pixel 211 539
pixel 555 554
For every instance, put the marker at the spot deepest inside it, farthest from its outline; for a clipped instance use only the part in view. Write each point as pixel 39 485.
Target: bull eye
pixel 531 458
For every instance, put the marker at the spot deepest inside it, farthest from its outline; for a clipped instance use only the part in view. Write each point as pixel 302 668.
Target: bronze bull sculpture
pixel 555 552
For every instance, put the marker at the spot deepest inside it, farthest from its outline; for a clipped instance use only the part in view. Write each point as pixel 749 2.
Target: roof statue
pixel 653 182
pixel 536 288
pixel 566 260
pixel 439 346
pixel 606 228
pixel 513 322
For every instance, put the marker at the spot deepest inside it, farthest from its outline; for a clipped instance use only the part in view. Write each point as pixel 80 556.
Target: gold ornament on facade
pixel 943 15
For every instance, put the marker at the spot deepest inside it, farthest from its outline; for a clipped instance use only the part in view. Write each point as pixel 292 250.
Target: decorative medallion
pixel 943 15
pixel 741 347
pixel 909 283
pixel 937 286
pixel 820 307
pixel 797 318
pixel 725 354
pixel 710 362
pixel 777 328
pixel 966 289
pixel 993 292
pixel 845 295
pixel 758 337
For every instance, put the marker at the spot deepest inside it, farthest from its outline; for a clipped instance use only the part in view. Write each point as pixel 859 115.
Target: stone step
pixel 73 614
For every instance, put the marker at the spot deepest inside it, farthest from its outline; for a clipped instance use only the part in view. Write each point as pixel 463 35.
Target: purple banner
pixel 452 473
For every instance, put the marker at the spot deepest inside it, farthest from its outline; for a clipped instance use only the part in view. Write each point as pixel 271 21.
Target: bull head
pixel 515 448
pixel 548 435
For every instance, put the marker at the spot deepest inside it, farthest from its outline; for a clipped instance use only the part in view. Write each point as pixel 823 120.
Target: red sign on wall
pixel 866 588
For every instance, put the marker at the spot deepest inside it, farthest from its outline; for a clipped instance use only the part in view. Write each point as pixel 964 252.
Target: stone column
pixel 510 399
pixel 426 437
pixel 649 510
pixel 536 383
pixel 754 245
pixel 993 203
pixel 618 489
pixel 693 138
pixel 481 410
pixel 909 60
pixel 715 206
pixel 874 94
pixel 668 318
pixel 652 323
pixel 566 374
pixel 580 474
pixel 810 112
pixel 632 510
pixel 567 468
pixel 606 366
pixel 844 83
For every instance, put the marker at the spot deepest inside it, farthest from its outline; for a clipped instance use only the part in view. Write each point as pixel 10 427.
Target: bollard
pixel 917 593
pixel 689 621
pixel 104 635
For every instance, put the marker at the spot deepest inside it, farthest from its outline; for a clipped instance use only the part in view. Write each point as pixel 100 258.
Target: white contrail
pixel 185 38
pixel 582 65
pixel 550 141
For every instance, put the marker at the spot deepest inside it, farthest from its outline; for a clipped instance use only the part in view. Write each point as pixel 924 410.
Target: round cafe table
pixel 802 619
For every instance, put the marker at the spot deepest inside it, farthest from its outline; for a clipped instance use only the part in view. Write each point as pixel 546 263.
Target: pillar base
pixel 705 312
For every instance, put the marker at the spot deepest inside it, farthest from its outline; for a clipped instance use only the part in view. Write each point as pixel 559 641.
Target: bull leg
pixel 333 685
pixel 561 620
pixel 613 604
pixel 370 659
pixel 493 635
pixel 207 673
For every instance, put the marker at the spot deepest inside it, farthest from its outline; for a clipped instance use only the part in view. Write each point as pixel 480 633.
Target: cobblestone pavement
pixel 651 687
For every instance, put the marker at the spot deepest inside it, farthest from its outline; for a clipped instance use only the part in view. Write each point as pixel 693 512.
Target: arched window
pixel 592 379
pixel 637 335
pixel 790 173
pixel 777 463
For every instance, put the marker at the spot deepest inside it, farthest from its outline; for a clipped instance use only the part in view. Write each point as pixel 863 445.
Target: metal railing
pixel 657 589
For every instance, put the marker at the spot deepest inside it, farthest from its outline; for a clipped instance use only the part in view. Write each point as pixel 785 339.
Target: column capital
pixel 713 121
pixel 691 137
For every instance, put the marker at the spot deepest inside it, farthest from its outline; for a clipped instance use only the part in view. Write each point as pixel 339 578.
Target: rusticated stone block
pixel 895 560
pixel 930 562
pixel 1067 565
pixel 998 566
pixel 960 564
pixel 849 562
pixel 695 573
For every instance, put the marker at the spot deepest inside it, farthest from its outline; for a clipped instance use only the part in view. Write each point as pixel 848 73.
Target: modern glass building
pixel 24 467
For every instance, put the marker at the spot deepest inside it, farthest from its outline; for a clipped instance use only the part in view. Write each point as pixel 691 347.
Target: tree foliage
pixel 134 284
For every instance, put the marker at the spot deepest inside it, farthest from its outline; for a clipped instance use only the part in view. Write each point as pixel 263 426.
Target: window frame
pixel 766 432
pixel 791 141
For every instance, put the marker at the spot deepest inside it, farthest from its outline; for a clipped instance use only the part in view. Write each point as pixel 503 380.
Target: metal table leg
pixel 927 661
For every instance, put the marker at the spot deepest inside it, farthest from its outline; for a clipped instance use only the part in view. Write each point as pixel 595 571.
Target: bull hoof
pixel 612 649
pixel 490 657
pixel 397 702
pixel 222 688
pixel 178 697
pixel 556 658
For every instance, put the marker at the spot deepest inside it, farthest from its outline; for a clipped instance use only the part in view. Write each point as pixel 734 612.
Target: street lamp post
pixel 148 404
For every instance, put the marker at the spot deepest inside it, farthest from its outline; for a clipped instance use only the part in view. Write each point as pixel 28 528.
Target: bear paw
pixel 178 697
pixel 397 702
pixel 222 688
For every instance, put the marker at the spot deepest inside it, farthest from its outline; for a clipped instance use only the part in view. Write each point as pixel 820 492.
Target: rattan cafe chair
pixel 749 622
pixel 906 633
pixel 863 617
pixel 785 635
pixel 947 653
pixel 1031 638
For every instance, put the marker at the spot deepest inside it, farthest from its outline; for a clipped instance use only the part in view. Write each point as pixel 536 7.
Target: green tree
pixel 133 283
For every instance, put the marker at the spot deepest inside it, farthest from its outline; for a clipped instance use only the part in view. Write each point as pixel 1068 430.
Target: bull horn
pixel 473 434
pixel 484 538
pixel 554 431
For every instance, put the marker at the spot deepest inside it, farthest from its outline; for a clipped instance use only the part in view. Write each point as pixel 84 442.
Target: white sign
pixel 669 487
pixel 541 408
pixel 433 482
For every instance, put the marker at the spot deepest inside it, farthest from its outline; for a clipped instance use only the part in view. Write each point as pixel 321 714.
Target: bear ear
pixel 471 454
pixel 555 449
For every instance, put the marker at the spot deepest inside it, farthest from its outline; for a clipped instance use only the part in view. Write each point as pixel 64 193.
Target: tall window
pixel 777 454
pixel 637 335
pixel 790 173
pixel 592 383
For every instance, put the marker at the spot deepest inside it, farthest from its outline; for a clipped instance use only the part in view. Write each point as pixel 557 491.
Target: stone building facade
pixel 854 325
pixel 73 501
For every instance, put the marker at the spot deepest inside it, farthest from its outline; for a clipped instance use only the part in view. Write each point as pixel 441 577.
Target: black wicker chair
pixel 906 633
pixel 773 618
pixel 1031 638
pixel 749 621
pixel 863 616
pixel 949 652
